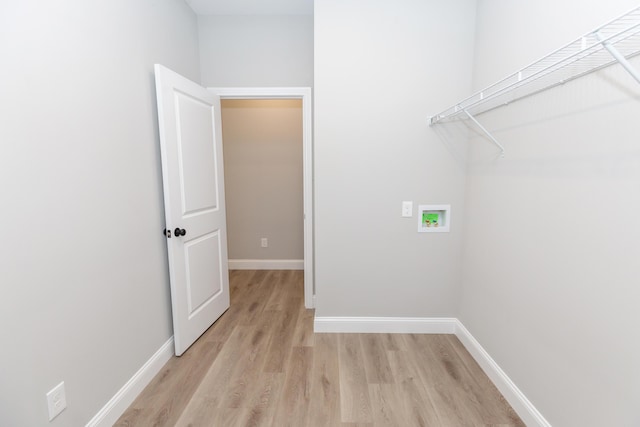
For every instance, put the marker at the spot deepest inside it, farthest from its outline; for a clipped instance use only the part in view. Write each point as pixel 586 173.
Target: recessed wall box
pixel 434 218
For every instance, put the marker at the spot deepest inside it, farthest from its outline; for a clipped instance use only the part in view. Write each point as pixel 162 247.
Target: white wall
pixel 551 245
pixel 85 293
pixel 380 69
pixel 263 178
pixel 260 50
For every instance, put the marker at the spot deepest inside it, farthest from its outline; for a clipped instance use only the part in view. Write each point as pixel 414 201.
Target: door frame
pixel 304 94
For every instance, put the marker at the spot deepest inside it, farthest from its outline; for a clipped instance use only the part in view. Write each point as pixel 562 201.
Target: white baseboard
pixel 412 325
pixel 115 407
pixel 518 401
pixel 385 325
pixel 266 264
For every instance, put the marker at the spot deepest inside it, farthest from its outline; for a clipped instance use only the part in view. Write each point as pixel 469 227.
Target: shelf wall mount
pixel 613 42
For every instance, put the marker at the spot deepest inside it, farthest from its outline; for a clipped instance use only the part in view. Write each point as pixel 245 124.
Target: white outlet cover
pixel 407 209
pixel 56 400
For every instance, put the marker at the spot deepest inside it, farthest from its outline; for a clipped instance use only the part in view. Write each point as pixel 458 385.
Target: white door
pixel 193 178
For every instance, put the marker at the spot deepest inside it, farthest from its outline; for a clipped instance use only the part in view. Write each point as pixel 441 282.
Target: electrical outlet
pixel 264 242
pixel 57 400
pixel 407 209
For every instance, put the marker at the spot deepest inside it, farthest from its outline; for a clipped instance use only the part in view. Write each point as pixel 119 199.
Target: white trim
pixel 518 401
pixel 115 407
pixel 385 325
pixel 266 264
pixel 445 325
pixel 303 93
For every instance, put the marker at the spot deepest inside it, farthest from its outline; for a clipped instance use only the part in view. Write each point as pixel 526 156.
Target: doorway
pixel 242 103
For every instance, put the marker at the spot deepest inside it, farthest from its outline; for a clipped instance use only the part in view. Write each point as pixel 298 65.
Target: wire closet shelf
pixel 615 41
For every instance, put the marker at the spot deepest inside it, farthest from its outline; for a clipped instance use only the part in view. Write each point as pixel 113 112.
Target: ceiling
pixel 252 7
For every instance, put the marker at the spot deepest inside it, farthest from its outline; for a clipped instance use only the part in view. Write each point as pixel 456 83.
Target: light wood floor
pixel 261 364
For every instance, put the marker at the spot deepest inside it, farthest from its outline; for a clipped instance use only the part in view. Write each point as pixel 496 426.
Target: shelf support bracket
pixel 619 57
pixel 486 132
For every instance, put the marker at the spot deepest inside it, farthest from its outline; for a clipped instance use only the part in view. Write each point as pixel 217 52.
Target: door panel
pixel 197 154
pixel 193 178
pixel 200 252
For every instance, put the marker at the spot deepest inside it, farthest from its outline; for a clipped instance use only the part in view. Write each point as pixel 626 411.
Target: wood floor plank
pixel 252 307
pixel 355 403
pixel 489 401
pixel 324 408
pixel 296 280
pixel 202 408
pixel 303 335
pixel 392 342
pixel 386 403
pixel 293 405
pixel 224 417
pixel 376 363
pixel 223 327
pixel 282 338
pixel 263 403
pixel 442 381
pixel 465 382
pixel 356 425
pixel 280 290
pixel 243 282
pixel 250 361
pixel 417 405
pixel 158 404
pixel 236 278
